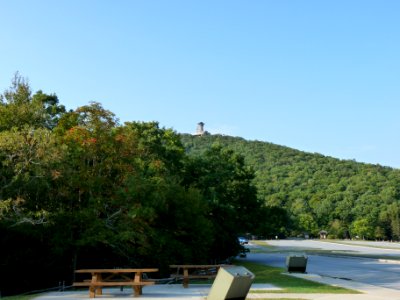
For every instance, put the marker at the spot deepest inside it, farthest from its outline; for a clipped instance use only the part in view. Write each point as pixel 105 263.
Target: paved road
pixel 363 247
pixel 365 270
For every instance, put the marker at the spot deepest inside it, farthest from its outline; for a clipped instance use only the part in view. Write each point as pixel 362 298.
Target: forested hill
pixel 343 197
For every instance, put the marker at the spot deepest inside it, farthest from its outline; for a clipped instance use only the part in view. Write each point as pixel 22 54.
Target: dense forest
pixel 80 190
pixel 343 197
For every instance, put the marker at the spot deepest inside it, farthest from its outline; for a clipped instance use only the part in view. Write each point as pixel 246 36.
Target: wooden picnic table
pixel 187 272
pixel 115 277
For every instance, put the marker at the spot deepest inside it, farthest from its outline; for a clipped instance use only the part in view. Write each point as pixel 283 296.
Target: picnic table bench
pixel 115 277
pixel 187 272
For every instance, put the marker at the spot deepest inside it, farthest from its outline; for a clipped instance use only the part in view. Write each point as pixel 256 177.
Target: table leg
pixel 137 288
pixel 92 291
pixel 99 290
pixel 185 277
pixel 95 290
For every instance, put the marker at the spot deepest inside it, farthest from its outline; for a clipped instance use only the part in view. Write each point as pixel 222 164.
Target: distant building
pixel 200 129
pixel 323 234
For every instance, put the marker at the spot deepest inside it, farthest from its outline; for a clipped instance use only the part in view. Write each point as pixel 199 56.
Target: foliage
pixel 317 192
pixel 226 183
pixel 84 191
pixel 18 108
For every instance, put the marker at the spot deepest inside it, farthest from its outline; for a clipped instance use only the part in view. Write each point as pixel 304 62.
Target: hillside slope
pixel 344 197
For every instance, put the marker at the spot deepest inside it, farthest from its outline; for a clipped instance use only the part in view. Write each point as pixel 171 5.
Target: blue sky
pixel 318 76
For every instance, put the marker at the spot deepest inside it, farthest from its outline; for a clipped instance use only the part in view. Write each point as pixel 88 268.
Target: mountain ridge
pixel 344 197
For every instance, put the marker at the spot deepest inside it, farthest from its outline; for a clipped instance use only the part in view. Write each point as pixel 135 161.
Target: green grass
pixel 289 284
pixel 19 297
pixel 264 244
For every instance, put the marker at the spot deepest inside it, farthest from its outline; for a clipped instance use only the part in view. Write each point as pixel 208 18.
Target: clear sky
pixel 318 76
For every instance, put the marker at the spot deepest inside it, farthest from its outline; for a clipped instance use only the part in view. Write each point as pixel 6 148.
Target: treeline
pixel 345 198
pixel 80 190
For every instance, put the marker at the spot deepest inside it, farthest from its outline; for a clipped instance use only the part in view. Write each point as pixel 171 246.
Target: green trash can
pixel 231 282
pixel 296 263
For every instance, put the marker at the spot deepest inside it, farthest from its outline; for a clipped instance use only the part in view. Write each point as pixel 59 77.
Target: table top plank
pixel 195 266
pixel 145 270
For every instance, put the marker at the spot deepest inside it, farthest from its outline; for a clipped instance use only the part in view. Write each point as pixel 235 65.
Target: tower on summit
pixel 200 129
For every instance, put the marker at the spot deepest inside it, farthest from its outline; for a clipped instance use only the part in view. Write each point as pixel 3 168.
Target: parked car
pixel 243 240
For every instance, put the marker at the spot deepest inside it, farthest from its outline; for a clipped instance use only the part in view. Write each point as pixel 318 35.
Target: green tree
pixel 390 220
pixel 308 224
pixel 362 228
pixel 337 229
pixel 18 108
pixel 28 156
pixel 120 189
pixel 226 183
pixel 273 221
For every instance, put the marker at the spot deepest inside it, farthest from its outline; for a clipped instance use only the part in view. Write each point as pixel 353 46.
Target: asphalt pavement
pixel 153 292
pixel 380 272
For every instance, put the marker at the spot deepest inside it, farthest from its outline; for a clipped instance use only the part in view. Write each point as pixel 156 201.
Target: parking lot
pixel 332 262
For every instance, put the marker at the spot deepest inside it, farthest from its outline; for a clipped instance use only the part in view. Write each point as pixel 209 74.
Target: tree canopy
pixel 343 197
pixel 83 191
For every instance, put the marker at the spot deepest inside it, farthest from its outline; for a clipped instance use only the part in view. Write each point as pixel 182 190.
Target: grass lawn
pixel 24 297
pixel 289 284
